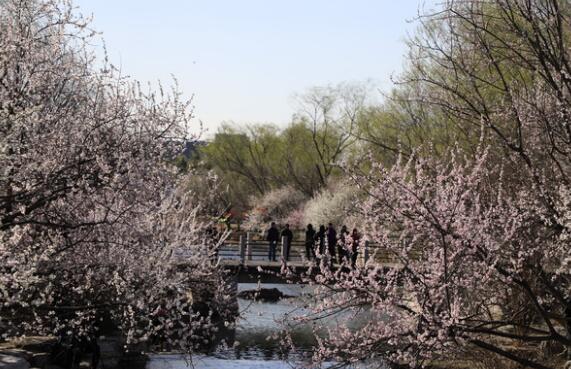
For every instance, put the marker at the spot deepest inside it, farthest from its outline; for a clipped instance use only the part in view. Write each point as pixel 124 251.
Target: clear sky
pixel 243 59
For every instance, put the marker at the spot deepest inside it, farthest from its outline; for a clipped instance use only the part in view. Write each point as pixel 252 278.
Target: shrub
pixel 332 205
pixel 277 205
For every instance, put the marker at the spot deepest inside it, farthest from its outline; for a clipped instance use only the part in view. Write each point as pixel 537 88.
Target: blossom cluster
pixel 91 208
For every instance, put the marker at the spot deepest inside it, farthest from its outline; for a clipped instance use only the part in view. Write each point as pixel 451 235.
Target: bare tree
pixel 332 114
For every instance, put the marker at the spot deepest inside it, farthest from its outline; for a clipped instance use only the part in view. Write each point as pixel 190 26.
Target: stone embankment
pixel 30 352
pixel 46 353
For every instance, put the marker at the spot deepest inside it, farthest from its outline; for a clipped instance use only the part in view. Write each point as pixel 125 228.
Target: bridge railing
pixel 246 248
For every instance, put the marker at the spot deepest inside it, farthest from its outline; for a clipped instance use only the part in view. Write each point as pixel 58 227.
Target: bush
pixel 279 205
pixel 331 205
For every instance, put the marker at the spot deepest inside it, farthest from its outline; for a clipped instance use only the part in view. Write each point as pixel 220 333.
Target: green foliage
pixel 463 75
pixel 463 78
pixel 258 158
pixel 245 153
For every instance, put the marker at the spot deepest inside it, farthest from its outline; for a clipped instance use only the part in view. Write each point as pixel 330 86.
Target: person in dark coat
pixel 331 240
pixel 355 238
pixel 273 238
pixel 320 239
pixel 310 242
pixel 288 234
pixel 341 247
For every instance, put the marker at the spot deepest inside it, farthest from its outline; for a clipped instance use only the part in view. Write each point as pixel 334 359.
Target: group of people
pixel 325 241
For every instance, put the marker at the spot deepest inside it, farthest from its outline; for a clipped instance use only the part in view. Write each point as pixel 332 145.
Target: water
pixel 249 346
pixel 206 362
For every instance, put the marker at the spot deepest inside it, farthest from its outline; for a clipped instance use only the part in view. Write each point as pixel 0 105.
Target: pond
pixel 250 345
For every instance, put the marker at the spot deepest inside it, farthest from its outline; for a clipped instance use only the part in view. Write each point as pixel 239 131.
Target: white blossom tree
pixel 331 205
pixel 275 206
pixel 90 207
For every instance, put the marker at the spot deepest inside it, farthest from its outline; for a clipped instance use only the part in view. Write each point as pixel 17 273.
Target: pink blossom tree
pixel 478 266
pixel 91 209
pixel 479 236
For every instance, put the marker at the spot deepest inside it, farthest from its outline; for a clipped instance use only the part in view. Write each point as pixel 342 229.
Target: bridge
pixel 248 258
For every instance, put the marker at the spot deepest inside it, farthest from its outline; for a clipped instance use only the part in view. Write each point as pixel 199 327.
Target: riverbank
pixel 29 352
pixel 48 353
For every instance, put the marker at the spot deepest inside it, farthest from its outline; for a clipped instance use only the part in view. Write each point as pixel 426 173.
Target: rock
pixel 263 294
pixel 84 364
pixel 26 355
pixel 37 344
pixel 52 366
pixel 40 359
pixel 13 362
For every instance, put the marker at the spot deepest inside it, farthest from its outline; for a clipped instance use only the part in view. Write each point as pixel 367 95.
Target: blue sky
pixel 243 59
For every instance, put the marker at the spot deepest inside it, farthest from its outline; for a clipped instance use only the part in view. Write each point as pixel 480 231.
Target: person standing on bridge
pixel 355 238
pixel 331 240
pixel 286 244
pixel 341 247
pixel 320 239
pixel 273 238
pixel 310 242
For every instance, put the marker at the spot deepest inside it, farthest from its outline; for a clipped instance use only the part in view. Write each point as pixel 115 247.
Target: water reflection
pixel 255 342
pixel 257 334
pixel 205 362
